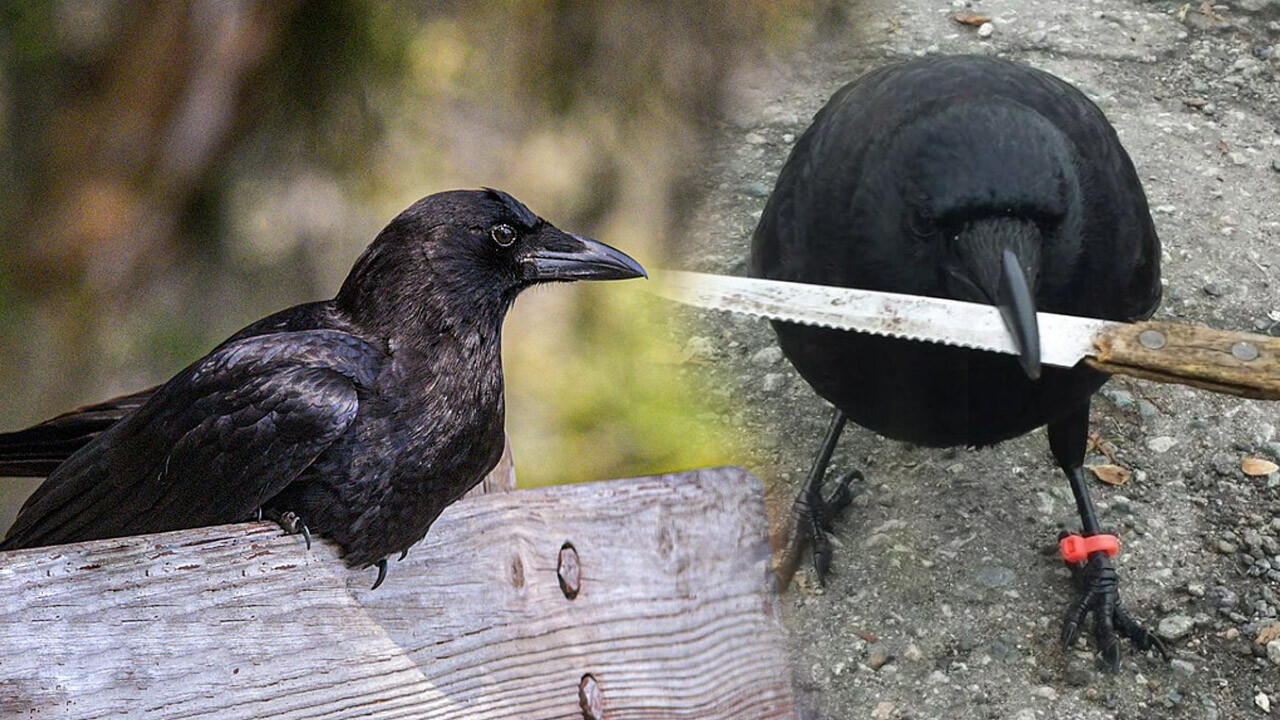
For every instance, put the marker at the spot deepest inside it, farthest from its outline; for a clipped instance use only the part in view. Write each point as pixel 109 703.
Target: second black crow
pixel 360 418
pixel 982 180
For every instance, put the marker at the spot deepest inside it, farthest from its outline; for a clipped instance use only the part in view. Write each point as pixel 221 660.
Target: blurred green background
pixel 171 170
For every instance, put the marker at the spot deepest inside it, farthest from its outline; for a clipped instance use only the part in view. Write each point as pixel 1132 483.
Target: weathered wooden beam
pixel 673 616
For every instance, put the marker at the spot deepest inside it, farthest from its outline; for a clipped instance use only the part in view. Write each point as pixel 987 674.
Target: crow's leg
pixel 290 523
pixel 812 514
pixel 1096 581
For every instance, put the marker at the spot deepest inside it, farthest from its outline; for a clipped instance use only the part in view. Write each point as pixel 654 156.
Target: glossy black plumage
pixel 365 415
pixel 977 179
pixel 873 194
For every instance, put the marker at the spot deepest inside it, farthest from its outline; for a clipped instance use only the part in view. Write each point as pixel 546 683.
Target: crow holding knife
pixel 975 179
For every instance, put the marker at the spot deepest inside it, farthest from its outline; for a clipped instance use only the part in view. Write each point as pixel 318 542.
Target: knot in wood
pixel 590 699
pixel 569 571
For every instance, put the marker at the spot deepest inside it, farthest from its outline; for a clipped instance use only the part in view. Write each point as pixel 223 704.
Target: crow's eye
pixel 921 224
pixel 503 234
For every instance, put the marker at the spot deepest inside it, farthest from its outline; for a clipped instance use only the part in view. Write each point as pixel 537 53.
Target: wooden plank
pixel 673 618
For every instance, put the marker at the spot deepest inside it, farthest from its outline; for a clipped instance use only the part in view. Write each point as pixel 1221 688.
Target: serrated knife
pixel 1224 361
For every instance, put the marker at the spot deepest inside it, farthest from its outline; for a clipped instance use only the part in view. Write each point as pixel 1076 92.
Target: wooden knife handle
pixel 1237 363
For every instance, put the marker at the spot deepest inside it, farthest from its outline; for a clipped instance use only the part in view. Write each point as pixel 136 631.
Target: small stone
pixel 986 29
pixel 773 382
pixel 878 658
pixel 1226 548
pixel 1182 667
pixel 883 711
pixel 1195 589
pixel 1263 701
pixel 764 357
pixel 1046 692
pixel 1078 677
pixel 1147 410
pixel 755 190
pixel 913 653
pixel 1175 627
pixel 1273 651
pixel 1213 289
pixel 1122 399
pixel 994 576
pixel 1160 444
pixel 699 349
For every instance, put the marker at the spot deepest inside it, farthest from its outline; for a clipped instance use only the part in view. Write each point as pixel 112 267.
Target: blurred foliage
pixel 171 170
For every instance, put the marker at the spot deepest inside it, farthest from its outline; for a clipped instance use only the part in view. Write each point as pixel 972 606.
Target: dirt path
pixel 946 598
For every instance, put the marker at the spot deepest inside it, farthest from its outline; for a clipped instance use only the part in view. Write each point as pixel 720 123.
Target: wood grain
pixel 674 617
pixel 1194 355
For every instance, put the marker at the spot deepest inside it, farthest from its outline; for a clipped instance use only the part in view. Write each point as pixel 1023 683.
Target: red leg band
pixel 1076 548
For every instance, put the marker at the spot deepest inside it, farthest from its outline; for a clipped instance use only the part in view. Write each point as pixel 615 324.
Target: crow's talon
pixel 814 518
pixel 382 573
pixel 293 525
pixel 1099 586
pixel 403 554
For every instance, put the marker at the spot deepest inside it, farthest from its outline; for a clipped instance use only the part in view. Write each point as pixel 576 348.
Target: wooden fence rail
pixel 625 599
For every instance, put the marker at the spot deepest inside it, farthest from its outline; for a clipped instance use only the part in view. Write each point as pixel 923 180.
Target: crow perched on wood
pixel 360 417
pixel 981 180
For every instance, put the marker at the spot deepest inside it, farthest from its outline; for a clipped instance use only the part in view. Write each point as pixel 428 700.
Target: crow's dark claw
pixel 814 517
pixel 382 573
pixel 403 554
pixel 293 525
pixel 1099 586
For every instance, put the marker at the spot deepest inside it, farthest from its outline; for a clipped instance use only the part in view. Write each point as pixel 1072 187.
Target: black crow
pixel 360 418
pixel 976 179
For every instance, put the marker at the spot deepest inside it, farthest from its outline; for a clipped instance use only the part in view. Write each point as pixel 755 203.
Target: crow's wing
pixel 39 449
pixel 211 445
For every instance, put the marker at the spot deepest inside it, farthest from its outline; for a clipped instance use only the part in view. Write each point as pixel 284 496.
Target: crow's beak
pixel 565 256
pixel 1018 309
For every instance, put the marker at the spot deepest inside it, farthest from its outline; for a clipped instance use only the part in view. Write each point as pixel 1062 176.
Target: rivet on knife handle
pixel 1223 361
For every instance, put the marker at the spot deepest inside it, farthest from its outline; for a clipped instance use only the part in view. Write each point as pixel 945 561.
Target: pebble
pixel 1273 651
pixel 1122 399
pixel 1147 410
pixel 995 576
pixel 764 357
pixel 1182 667
pixel 1175 627
pixel 755 190
pixel 986 30
pixel 1078 677
pixel 1160 444
pixel 1046 692
pixel 700 349
pixel 878 658
pixel 773 382
pixel 913 653
pixel 1263 701
pixel 1226 548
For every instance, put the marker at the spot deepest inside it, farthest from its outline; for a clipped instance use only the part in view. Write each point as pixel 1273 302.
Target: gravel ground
pixel 947 597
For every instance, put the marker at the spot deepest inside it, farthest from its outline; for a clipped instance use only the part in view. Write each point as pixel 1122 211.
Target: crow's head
pixel 985 190
pixel 467 254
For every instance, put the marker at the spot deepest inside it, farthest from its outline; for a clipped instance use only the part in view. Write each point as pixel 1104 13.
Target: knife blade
pixel 1237 363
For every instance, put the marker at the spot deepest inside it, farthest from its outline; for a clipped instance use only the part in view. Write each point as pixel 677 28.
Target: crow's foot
pixel 293 525
pixel 382 573
pixel 1098 594
pixel 813 517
